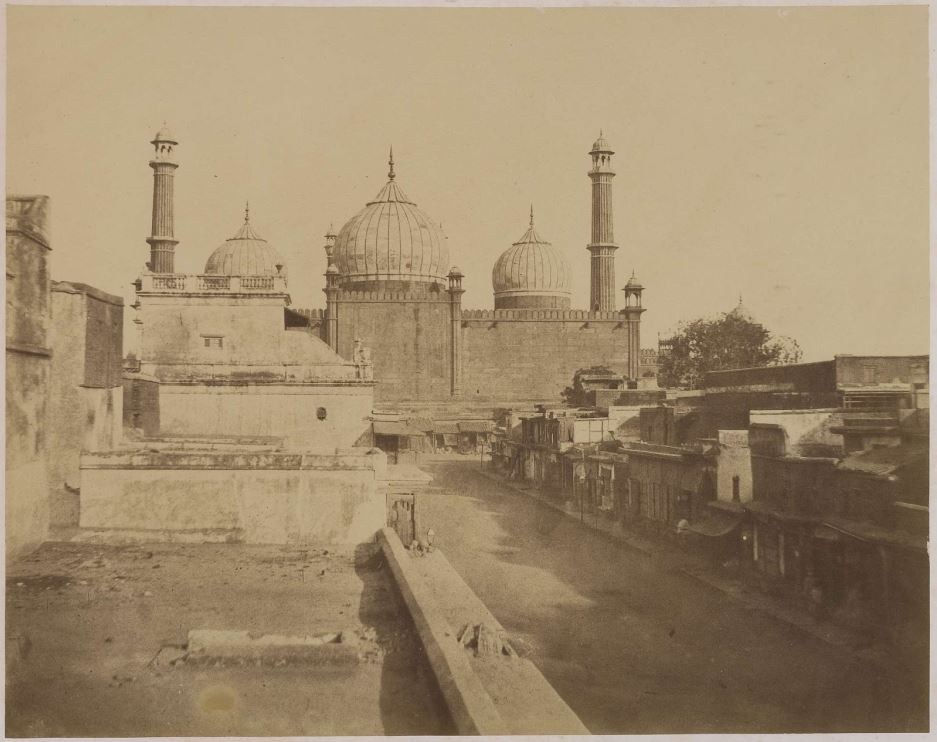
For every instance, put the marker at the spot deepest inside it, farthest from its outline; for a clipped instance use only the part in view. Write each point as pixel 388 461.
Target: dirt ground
pixel 85 622
pixel 635 647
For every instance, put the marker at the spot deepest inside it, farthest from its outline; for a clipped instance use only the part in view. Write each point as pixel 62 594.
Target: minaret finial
pixel 390 162
pixel 531 215
pixel 247 212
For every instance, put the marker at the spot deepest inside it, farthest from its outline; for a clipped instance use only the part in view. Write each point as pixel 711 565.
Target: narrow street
pixel 636 648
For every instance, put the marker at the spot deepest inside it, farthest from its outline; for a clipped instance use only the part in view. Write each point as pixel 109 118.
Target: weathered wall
pixel 28 367
pixel 735 460
pixel 286 410
pixel 512 354
pixel 245 336
pixel 249 497
pixel 86 400
pixel 881 369
pixel 408 335
pixel 808 431
pixel 141 403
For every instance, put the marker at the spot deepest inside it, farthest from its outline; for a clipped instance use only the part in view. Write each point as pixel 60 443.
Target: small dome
pixel 531 274
pixel 164 135
pixel 245 254
pixel 331 270
pixel 741 312
pixel 601 144
pixel 391 239
pixel 455 271
pixel 633 282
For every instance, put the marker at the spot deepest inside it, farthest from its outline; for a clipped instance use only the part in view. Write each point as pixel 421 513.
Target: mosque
pixel 393 306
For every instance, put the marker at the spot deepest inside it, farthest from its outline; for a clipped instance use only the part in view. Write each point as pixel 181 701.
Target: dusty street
pixel 635 648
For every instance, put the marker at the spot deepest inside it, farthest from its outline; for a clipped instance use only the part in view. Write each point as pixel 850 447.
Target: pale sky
pixel 777 153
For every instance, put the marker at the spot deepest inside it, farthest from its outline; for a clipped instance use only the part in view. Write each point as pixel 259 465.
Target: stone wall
pixel 28 367
pixel 534 355
pixel 86 400
pixel 286 410
pixel 409 338
pixel 251 497
pixel 735 460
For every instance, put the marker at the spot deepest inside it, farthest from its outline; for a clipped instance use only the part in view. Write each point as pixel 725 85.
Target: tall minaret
pixel 602 247
pixel 161 239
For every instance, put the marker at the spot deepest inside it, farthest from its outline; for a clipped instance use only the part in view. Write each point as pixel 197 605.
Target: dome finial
pixel 247 212
pixel 531 215
pixel 391 163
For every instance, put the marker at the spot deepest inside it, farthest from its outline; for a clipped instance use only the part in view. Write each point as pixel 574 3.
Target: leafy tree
pixel 732 340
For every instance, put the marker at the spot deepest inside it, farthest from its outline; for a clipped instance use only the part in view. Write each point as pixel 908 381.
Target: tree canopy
pixel 730 341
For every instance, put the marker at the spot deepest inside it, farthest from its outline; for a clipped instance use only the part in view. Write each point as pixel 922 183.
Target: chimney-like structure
pixel 602 247
pixel 162 238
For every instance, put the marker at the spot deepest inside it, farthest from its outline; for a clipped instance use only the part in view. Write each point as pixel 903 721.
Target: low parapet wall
pixel 245 496
pixel 485 694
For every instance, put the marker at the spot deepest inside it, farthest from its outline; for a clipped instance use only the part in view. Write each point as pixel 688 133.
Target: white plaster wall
pixel 284 410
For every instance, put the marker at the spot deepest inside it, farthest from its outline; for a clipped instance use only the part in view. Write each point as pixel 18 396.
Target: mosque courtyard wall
pixel 534 354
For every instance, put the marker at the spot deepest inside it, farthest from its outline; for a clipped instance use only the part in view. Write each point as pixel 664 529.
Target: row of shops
pixel 403 440
pixel 844 537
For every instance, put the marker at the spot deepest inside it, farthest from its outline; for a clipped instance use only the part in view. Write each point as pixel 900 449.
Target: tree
pixel 732 340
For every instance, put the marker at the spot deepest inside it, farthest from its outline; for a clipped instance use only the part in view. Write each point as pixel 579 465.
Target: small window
pixel 735 488
pixel 869 374
pixel 321 413
pixel 213 341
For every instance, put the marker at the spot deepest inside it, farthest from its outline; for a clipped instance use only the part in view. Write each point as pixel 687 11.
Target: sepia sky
pixel 780 153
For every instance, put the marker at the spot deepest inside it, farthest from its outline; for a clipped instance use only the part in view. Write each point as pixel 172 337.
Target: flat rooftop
pixel 85 622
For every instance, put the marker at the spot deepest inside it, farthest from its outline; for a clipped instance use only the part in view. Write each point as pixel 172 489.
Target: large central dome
pixel 391 241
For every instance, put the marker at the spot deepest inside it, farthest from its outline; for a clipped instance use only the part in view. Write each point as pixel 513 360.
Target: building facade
pixel 227 358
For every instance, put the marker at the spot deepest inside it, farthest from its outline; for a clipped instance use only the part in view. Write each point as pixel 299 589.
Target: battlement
pixel 393 296
pixel 313 315
pixel 540 315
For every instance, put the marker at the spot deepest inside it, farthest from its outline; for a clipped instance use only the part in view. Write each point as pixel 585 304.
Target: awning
pixel 476 426
pixel 396 428
pixel 715 523
pixel 423 424
pixel 446 428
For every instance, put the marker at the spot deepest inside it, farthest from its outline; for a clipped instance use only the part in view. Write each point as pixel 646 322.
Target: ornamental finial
pixel 391 163
pixel 531 215
pixel 247 212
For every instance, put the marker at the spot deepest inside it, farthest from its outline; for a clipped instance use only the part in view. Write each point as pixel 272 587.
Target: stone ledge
pixel 470 706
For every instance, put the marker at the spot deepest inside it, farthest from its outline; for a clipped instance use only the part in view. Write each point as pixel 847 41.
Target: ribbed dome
pixel 245 254
pixel 601 144
pixel 391 240
pixel 531 273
